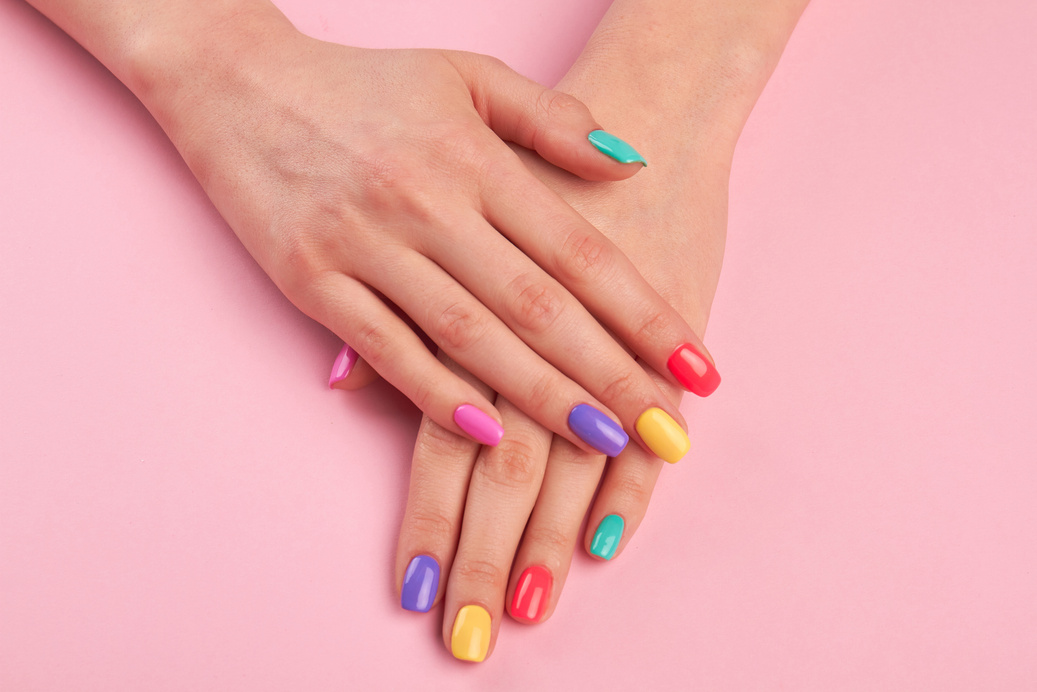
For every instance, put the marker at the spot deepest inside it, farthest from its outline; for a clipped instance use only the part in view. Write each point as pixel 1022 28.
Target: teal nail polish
pixel 606 538
pixel 613 146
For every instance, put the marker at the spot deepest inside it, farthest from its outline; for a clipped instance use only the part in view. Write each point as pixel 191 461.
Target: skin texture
pixel 344 169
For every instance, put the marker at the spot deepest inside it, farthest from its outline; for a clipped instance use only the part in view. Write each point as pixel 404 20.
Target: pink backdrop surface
pixel 185 506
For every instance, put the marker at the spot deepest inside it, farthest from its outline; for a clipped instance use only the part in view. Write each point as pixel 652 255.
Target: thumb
pixel 350 372
pixel 556 125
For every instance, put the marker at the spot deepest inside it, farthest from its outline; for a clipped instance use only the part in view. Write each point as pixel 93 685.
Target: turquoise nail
pixel 613 146
pixel 606 538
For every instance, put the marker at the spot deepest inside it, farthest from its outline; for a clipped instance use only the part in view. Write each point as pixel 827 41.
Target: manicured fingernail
pixel 478 424
pixel 693 370
pixel 470 638
pixel 613 146
pixel 606 538
pixel 598 430
pixel 420 584
pixel 662 435
pixel 344 363
pixel 532 592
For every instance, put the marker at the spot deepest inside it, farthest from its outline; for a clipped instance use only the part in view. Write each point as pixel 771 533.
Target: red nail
pixel 532 593
pixel 693 370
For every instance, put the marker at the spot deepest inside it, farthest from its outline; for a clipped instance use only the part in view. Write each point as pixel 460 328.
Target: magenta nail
pixel 347 358
pixel 478 424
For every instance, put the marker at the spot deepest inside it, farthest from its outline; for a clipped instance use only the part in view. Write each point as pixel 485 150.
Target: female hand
pixel 366 180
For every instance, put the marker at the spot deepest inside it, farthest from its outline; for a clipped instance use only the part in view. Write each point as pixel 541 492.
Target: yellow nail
pixel 662 435
pixel 470 638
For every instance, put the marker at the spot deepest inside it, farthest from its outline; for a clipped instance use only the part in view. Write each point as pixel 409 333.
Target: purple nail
pixel 347 358
pixel 478 424
pixel 598 430
pixel 420 584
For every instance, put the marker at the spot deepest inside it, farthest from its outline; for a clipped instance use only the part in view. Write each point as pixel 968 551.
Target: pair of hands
pixel 360 179
pixel 494 528
pixel 363 179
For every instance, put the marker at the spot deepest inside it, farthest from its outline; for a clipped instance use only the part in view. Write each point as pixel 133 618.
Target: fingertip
pixel 360 375
pixel 604 544
pixel 617 149
pixel 695 369
pixel 625 171
pixel 479 425
pixel 577 153
pixel 344 363
pixel 532 595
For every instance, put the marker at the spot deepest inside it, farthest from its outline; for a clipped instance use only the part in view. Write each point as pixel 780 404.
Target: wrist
pixel 174 53
pixel 681 76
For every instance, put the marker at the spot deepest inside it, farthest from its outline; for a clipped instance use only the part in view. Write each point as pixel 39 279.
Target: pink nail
pixel 347 358
pixel 479 425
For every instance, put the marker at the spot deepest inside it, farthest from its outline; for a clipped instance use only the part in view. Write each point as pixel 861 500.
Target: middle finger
pixel 503 488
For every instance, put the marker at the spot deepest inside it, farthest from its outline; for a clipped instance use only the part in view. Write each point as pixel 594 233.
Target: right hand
pixel 365 179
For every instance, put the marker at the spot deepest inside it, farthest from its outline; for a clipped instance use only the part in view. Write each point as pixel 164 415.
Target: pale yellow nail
pixel 662 435
pixel 470 638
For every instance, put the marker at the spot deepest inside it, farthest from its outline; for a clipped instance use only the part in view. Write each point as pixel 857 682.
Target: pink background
pixel 184 505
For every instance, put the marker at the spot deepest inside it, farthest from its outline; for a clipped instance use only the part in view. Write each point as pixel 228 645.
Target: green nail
pixel 613 146
pixel 606 538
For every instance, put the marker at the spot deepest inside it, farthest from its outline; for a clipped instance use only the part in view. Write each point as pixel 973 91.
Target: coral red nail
pixel 693 370
pixel 532 592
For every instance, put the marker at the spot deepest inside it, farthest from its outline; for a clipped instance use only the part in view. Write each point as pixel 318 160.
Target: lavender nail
pixel 598 430
pixel 420 584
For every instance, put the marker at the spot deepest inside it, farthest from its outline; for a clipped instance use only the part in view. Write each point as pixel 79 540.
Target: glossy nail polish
pixel 693 370
pixel 663 435
pixel 614 147
pixel 344 363
pixel 598 430
pixel 479 425
pixel 532 592
pixel 470 637
pixel 420 584
pixel 606 538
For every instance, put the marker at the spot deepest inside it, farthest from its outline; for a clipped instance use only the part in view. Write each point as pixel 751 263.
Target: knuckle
pixel 455 149
pixel 380 173
pixel 652 329
pixel 437 443
pixel 428 522
pixel 540 393
pixel 394 182
pixel 513 464
pixel 301 259
pixel 556 541
pixel 496 65
pixel 584 255
pixel 629 491
pixel 536 304
pixel 579 460
pixel 479 572
pixel 454 143
pixel 620 387
pixel 553 104
pixel 457 327
pixel 373 342
pixel 424 393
